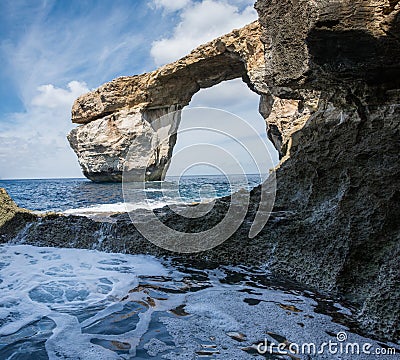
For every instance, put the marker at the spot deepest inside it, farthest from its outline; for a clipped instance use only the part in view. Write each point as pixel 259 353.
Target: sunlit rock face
pixel 125 111
pixel 102 145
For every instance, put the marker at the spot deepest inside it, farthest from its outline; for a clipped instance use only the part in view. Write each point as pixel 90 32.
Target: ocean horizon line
pixel 168 176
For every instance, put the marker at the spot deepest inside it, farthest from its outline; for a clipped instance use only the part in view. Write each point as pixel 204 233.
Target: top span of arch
pixel 239 53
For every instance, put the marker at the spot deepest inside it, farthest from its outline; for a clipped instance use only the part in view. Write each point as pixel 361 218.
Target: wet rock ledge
pixel 12 218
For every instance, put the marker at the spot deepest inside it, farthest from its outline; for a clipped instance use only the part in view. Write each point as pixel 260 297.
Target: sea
pixel 58 303
pixel 81 195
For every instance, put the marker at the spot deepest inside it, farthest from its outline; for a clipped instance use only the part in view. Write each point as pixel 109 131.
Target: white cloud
pixel 235 97
pixel 53 97
pixel 242 2
pixel 170 6
pixel 232 94
pixel 200 22
pixel 50 51
pixel 34 143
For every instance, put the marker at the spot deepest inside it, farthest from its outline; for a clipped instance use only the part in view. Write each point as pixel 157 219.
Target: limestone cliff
pixel 124 110
pixel 102 145
pixel 341 169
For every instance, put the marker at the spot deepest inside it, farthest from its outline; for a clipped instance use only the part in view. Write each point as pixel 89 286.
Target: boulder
pixel 13 219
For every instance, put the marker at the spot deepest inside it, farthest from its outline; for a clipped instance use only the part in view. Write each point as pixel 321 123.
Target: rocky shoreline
pixel 275 246
pixel 330 94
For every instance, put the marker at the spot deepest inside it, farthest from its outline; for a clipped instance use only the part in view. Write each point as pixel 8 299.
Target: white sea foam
pixel 127 207
pixel 116 306
pixel 60 283
pixel 116 208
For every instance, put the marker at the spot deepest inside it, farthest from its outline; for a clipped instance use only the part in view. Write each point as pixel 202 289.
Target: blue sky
pixel 53 51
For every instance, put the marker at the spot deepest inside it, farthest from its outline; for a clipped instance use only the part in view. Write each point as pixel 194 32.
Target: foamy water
pixel 117 208
pixel 80 196
pixel 81 304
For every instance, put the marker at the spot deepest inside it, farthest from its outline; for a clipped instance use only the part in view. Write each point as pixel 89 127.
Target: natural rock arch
pixel 113 117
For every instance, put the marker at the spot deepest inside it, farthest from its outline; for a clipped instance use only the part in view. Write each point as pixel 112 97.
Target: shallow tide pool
pixel 82 304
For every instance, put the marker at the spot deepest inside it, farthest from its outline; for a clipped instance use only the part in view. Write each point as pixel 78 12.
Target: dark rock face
pixel 316 43
pixel 116 233
pixel 340 171
pixel 341 181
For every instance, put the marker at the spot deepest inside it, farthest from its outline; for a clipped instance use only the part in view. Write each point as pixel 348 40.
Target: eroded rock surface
pixel 103 145
pixel 12 218
pixel 312 43
pixel 339 179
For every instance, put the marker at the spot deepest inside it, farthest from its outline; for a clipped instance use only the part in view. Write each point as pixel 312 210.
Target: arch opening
pixel 228 119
